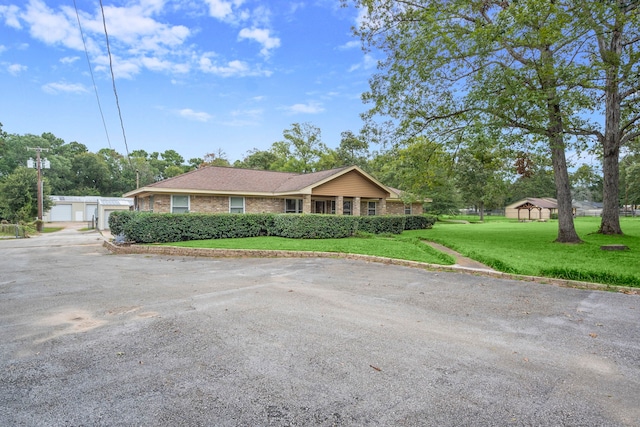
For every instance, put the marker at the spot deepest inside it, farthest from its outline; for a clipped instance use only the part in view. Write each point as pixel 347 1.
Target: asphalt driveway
pixel 90 338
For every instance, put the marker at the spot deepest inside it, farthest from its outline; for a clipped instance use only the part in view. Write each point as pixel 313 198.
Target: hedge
pixel 146 227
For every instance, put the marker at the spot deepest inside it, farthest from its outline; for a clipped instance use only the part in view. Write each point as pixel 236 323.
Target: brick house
pixel 213 189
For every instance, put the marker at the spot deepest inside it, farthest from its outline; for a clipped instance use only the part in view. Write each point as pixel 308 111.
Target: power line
pixel 113 81
pixel 95 88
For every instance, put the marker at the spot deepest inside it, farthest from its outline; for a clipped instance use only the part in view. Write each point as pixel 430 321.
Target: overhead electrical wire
pixel 95 88
pixel 113 81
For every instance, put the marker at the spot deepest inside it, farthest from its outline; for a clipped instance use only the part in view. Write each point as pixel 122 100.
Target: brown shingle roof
pixel 217 178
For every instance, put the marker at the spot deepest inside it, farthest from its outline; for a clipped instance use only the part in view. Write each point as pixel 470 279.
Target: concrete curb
pixel 258 253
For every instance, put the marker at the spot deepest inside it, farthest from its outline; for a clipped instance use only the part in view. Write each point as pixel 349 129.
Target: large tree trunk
pixel 566 229
pixel 610 223
pixel 481 207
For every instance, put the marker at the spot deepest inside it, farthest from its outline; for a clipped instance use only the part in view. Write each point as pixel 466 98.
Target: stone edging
pixel 259 253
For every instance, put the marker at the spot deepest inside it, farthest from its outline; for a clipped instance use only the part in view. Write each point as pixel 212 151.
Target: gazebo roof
pixel 538 203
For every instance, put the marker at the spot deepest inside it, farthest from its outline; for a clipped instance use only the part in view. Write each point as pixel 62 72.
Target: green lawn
pixel 513 247
pixel 529 248
pixel 399 247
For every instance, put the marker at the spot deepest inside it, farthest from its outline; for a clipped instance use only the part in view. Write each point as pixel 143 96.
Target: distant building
pixel 86 209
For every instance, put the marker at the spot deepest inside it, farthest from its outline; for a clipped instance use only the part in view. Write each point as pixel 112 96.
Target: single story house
pixel 214 189
pixel 86 209
pixel 533 208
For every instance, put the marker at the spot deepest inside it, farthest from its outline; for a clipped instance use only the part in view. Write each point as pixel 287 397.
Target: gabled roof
pixel 543 202
pixel 228 180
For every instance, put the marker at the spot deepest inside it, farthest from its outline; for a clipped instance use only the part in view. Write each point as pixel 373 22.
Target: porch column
pixel 339 205
pixel 356 206
pixel 383 206
pixel 306 203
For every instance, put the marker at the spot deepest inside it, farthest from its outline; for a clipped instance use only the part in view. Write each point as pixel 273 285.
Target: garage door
pixel 61 213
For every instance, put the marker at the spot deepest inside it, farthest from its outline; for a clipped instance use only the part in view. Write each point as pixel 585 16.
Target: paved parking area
pixel 91 338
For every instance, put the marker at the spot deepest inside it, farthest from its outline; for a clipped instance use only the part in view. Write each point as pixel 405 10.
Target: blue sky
pixel 195 76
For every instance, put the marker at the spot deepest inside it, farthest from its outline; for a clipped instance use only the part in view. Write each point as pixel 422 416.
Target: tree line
pixel 477 177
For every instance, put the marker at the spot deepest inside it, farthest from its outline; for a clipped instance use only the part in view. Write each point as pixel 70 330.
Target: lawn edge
pixel 264 253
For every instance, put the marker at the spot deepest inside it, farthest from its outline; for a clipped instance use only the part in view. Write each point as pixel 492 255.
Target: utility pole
pixel 38 150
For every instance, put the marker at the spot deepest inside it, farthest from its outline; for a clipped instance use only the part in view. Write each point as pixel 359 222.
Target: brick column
pixel 383 206
pixel 340 205
pixel 306 203
pixel 356 206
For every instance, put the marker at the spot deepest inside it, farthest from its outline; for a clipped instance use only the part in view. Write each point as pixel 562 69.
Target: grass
pixel 398 247
pixel 526 248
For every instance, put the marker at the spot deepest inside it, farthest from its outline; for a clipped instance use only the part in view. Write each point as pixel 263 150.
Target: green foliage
pixel 302 226
pixel 144 227
pixel 118 221
pixel 19 195
pixel 393 224
pixel 158 228
pixel 419 222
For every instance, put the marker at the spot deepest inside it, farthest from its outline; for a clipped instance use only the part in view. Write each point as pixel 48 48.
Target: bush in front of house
pixel 393 224
pixel 164 228
pixel 118 220
pixel 305 226
pixel 419 222
pixel 146 227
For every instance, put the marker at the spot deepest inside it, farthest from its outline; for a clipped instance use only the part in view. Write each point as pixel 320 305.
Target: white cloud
pixel 308 108
pixel 353 44
pixel 234 68
pixel 10 14
pixel 2 48
pixel 61 87
pixel 368 63
pixel 255 113
pixel 69 59
pixel 198 116
pixel 222 9
pixel 262 36
pixel 50 26
pixel 16 69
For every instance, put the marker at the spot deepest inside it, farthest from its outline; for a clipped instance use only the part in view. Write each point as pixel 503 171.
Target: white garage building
pixel 86 209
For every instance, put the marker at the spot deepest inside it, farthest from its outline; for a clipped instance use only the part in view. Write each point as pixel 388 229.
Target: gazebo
pixel 537 209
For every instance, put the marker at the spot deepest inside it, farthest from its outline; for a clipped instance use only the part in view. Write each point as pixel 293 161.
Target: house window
pixel 179 204
pixel 407 209
pixel 371 208
pixel 346 207
pixel 332 207
pixel 236 204
pixel 293 206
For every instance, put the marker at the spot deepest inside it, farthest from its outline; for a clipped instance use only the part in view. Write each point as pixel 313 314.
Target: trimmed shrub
pixel 146 227
pixel 419 222
pixel 304 226
pixel 163 227
pixel 393 224
pixel 118 219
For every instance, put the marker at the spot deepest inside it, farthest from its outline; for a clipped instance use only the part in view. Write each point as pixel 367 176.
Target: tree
pixel 352 150
pixel 586 184
pixel 304 145
pixel 218 158
pixel 502 63
pixel 479 180
pixel 613 28
pixel 19 195
pixel 257 159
